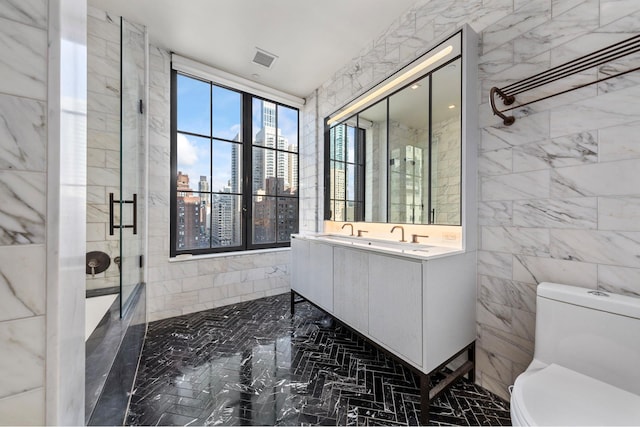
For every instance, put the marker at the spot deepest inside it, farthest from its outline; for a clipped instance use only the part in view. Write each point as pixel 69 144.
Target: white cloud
pixel 187 153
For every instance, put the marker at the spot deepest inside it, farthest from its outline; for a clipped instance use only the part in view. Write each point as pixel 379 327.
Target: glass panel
pixel 264 123
pixel 132 158
pixel 288 127
pixel 227 167
pixel 264 220
pixel 226 220
pixel 340 181
pixel 332 178
pixel 446 145
pixel 226 114
pixel 192 225
pixel 408 148
pixel 264 172
pixel 373 122
pixel 351 182
pixel 340 143
pixel 340 211
pixel 194 106
pixel 351 144
pixel 194 154
pixel 332 142
pixel 288 173
pixel 287 218
pixel 351 211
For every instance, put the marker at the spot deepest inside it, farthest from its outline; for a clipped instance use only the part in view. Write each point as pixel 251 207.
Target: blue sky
pixel 194 114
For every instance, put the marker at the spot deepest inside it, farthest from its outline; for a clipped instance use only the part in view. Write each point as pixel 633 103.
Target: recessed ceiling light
pixel 415 86
pixel 451 107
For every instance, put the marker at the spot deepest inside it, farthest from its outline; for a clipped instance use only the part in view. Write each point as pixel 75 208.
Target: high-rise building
pixel 192 231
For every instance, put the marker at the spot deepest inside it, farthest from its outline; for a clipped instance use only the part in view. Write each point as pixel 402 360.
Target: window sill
pixel 187 257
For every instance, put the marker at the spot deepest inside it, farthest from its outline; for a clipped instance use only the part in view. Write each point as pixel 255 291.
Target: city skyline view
pixel 209 168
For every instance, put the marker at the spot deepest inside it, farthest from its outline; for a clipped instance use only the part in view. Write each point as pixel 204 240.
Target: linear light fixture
pixel 393 83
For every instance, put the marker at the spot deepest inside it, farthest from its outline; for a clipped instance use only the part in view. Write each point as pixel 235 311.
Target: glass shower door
pixel 132 158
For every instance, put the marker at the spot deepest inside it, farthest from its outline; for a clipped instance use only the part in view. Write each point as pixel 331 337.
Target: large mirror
pixel 398 160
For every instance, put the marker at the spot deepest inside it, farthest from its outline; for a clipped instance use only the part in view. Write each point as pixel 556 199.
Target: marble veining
pixel 22 281
pixel 23 64
pixel 22 134
pixel 23 207
pixel 252 364
pixel 556 213
pixel 22 357
pixel 581 148
pixel 30 12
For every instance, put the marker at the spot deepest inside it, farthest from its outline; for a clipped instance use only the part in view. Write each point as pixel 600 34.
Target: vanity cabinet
pixel 395 305
pixel 312 272
pixel 351 287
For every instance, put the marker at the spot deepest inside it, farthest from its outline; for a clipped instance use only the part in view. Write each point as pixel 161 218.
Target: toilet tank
pixel 591 332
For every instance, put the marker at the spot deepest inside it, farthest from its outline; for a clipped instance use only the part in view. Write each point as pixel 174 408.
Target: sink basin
pixel 373 243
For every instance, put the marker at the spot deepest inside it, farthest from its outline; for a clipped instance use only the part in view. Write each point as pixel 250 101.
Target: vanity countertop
pixel 418 251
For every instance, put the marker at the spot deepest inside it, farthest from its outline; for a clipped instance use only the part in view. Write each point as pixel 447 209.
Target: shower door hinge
pixel 141 261
pixel 140 106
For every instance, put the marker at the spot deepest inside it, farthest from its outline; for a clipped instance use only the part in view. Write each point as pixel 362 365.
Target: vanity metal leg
pixel 424 399
pixel 293 303
pixel 471 356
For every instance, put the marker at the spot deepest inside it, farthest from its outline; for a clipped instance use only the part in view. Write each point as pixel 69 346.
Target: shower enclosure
pixel 131 201
pixel 117 219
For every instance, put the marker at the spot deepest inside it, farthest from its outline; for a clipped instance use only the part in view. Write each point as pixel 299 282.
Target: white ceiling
pixel 312 39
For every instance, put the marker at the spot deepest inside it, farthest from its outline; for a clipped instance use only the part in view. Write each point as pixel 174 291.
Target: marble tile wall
pixel 558 190
pixel 103 139
pixel 23 161
pixel 42 145
pixel 180 287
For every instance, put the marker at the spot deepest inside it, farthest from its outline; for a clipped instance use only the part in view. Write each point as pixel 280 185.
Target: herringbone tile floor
pixel 252 364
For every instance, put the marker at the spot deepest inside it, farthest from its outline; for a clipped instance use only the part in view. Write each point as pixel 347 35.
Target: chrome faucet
pixel 349 224
pixel 401 229
pixel 361 231
pixel 414 237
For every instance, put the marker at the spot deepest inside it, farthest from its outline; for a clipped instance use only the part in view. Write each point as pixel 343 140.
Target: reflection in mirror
pixel 346 168
pixel 399 159
pixel 409 154
pixel 446 143
pixel 373 122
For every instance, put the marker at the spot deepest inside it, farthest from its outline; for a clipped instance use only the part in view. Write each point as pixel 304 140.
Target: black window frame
pixel 246 176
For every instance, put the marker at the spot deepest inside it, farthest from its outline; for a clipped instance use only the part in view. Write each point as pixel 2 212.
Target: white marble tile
pixel 22 281
pixel 23 409
pixel 22 358
pixel 494 315
pixel 527 185
pixel 496 162
pixel 23 65
pixel 611 109
pixel 602 179
pixel 571 150
pixel 619 213
pixel 532 128
pixel 620 280
pixel 495 264
pixel 505 344
pixel 495 213
pixel 529 16
pixel 536 270
pixel 579 212
pixel 508 292
pixel 557 31
pixel 602 247
pixel 619 142
pixel 611 10
pixel 528 241
pixel 22 134
pixel 23 207
pixel 30 12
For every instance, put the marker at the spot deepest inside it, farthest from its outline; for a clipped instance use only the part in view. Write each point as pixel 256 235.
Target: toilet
pixel 586 363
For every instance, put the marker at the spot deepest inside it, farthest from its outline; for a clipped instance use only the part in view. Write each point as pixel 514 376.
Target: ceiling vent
pixel 264 58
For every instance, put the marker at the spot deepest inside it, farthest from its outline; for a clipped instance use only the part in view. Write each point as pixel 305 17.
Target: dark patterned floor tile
pixel 253 364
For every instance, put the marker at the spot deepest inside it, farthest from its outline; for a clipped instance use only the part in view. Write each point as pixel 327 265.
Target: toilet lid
pixel 559 396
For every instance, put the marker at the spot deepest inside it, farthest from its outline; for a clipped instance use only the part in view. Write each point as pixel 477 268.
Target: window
pixel 234 161
pixel 346 172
